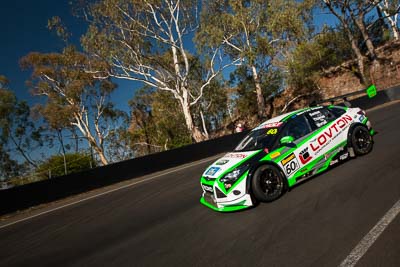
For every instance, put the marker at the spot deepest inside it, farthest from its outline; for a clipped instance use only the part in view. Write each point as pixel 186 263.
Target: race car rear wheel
pixel 268 183
pixel 361 140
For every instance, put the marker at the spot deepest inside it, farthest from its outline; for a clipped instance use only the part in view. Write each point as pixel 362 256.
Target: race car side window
pixel 320 117
pixel 297 127
pixel 337 111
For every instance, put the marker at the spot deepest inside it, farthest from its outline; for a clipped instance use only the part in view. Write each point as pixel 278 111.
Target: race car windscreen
pixel 258 139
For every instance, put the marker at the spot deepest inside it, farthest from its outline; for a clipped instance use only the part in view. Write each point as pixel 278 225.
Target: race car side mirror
pixel 287 140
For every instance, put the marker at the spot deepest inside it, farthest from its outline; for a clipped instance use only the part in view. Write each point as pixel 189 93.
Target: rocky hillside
pixel 341 80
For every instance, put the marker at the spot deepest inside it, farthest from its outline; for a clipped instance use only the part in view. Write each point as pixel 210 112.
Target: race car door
pixel 300 129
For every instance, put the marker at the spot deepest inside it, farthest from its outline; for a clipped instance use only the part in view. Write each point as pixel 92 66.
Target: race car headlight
pixel 235 174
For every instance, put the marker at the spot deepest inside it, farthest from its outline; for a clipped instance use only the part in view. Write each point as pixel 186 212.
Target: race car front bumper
pixel 243 203
pixel 233 200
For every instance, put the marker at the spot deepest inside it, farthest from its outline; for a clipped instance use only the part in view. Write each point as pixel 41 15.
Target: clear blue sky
pixel 23 25
pixel 24 30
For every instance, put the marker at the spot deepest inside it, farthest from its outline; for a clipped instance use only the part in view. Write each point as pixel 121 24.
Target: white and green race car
pixel 282 152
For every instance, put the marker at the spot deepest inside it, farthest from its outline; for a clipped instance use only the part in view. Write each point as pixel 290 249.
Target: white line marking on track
pixel 371 237
pixel 110 191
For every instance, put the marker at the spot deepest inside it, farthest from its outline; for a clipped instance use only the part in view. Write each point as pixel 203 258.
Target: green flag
pixel 371 91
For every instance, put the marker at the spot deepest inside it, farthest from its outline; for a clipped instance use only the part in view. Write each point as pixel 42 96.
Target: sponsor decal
pixel 316 113
pixel 271 125
pixel 333 162
pixel 290 164
pixel 318 118
pixel 272 131
pixel 207 188
pixel 362 117
pixel 222 162
pixel 344 156
pixel 311 109
pixel 329 134
pixel 304 156
pixel 235 155
pixel 275 154
pixel 328 155
pixel 212 171
pixel 287 159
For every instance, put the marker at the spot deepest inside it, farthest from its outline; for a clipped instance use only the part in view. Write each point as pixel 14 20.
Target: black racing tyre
pixel 361 140
pixel 268 183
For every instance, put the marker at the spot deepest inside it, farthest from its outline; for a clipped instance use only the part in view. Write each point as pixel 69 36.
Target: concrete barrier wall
pixel 29 195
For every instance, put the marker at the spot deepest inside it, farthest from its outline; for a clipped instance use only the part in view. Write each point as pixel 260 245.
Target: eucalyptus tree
pixel 9 167
pixel 256 32
pixel 155 125
pixel 390 9
pixel 355 12
pixel 18 132
pixel 148 41
pixel 73 98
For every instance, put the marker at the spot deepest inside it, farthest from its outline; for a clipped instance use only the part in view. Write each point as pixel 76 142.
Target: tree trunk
pixel 359 56
pixel 206 136
pixel 76 138
pixel 197 135
pixel 103 159
pixel 60 138
pixel 21 151
pixel 360 64
pixel 99 150
pixel 260 96
pixel 354 45
pixel 383 7
pixel 370 46
pixel 393 26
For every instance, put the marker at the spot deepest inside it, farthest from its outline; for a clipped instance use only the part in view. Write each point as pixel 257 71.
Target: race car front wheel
pixel 361 140
pixel 268 183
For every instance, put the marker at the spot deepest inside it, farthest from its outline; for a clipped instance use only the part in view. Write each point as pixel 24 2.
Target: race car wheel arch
pixel 360 139
pixel 267 182
pixel 254 168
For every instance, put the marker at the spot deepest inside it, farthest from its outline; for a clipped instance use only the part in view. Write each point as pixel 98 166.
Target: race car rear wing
pixel 370 91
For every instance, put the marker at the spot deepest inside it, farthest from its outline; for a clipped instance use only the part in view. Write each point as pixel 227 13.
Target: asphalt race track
pixel 160 222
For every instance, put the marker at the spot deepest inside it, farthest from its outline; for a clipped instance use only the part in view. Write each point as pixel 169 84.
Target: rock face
pixel 384 74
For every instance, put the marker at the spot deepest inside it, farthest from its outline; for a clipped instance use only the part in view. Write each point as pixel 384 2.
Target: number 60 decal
pixel 290 164
pixel 291 167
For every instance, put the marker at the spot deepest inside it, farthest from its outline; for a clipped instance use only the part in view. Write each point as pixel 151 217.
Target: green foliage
pixel 62 79
pixel 245 95
pixel 74 98
pixel 18 132
pixel 8 167
pixel 54 166
pixel 213 104
pixel 328 49
pixel 155 124
pixel 61 30
pixel 256 32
